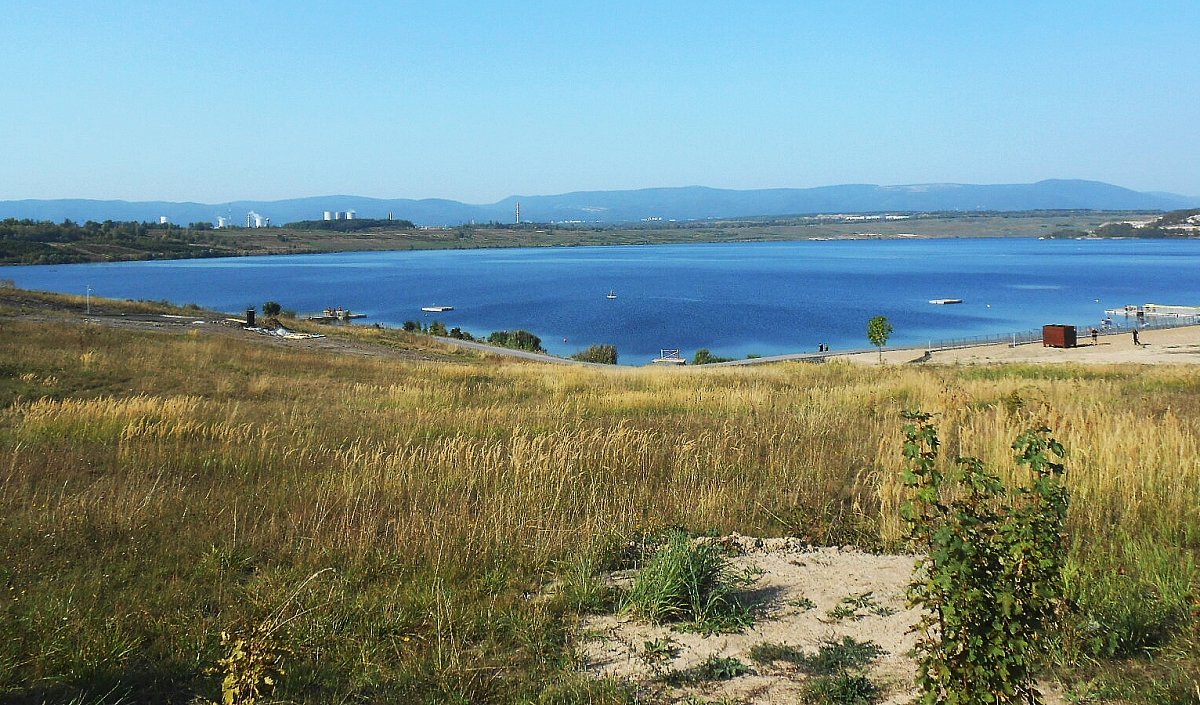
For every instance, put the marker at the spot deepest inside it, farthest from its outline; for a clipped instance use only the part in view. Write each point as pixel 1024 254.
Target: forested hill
pixel 680 204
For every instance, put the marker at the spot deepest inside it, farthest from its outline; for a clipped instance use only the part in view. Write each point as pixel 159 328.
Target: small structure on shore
pixel 668 357
pixel 1058 336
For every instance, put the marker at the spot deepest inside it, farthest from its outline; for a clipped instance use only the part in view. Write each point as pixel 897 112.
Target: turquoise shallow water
pixel 734 299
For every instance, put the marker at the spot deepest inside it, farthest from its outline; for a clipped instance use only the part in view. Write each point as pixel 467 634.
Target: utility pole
pixel 89 300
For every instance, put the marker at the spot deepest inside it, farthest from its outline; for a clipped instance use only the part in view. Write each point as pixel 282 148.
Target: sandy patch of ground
pixel 799 588
pixel 1161 346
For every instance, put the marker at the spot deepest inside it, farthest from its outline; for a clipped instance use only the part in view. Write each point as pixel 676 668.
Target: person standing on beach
pixel 1095 337
pixel 1136 341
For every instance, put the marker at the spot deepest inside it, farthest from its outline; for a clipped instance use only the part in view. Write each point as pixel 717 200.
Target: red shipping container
pixel 1058 336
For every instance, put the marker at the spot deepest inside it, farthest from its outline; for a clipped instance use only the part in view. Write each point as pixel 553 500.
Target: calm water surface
pixel 734 299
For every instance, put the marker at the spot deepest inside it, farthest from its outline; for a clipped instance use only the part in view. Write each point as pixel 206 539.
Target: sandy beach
pixel 1160 346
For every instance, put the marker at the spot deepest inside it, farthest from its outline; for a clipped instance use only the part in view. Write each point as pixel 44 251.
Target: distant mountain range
pixel 683 203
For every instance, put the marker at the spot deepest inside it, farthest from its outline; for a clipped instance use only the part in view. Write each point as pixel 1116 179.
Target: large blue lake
pixel 734 299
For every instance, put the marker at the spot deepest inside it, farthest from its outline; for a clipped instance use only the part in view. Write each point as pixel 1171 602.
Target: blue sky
pixel 475 101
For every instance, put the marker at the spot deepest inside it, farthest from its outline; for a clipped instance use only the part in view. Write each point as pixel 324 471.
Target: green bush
pixel 704 357
pixel 516 339
pixel 602 354
pixel 990 578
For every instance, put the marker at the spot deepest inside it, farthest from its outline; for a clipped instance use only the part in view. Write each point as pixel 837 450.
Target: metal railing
pixel 1024 337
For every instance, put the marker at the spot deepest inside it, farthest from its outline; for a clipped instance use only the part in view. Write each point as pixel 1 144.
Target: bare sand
pixel 1169 346
pixel 798 594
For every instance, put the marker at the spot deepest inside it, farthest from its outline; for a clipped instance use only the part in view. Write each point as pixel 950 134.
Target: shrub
pixel 704 357
pixel 990 580
pixel 602 354
pixel 516 339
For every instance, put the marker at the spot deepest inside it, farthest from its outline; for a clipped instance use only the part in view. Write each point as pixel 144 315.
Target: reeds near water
pixel 158 490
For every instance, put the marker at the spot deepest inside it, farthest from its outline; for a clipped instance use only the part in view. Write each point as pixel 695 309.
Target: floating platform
pixel 1154 311
pixel 436 309
pixel 335 314
pixel 945 301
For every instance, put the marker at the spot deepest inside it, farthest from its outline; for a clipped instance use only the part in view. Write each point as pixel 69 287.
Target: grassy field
pixel 387 529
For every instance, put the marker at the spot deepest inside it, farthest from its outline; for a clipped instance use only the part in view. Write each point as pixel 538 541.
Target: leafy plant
pixel 657 652
pixel 990 579
pixel 713 668
pixel 803 604
pixel 253 663
pixel 842 689
pixel 851 606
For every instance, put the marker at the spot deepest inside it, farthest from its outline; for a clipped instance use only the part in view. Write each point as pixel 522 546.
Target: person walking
pixel 1095 337
pixel 1136 341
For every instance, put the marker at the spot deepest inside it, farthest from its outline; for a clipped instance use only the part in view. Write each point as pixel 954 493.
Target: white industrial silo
pixel 349 215
pixel 328 215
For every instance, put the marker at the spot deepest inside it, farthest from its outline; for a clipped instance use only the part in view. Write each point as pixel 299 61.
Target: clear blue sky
pixel 474 101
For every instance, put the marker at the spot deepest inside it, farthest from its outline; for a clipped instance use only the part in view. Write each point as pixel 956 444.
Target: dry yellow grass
pixel 171 448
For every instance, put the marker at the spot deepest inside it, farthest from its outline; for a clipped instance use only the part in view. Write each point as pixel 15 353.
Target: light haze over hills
pixel 682 203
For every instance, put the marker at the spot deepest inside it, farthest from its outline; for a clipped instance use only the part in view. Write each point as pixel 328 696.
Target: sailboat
pixel 611 294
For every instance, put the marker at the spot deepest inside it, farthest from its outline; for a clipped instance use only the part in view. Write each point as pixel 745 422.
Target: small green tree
pixel 878 330
pixel 704 357
pixel 990 581
pixel 272 309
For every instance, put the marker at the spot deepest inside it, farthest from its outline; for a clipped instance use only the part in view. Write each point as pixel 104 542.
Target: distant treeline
pixel 353 225
pixel 44 242
pixel 1176 224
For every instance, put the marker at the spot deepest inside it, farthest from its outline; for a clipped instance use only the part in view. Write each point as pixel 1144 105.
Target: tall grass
pixel 156 490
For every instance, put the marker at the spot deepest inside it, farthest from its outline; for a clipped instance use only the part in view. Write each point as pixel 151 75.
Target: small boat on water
pixel 945 301
pixel 611 294
pixel 437 309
